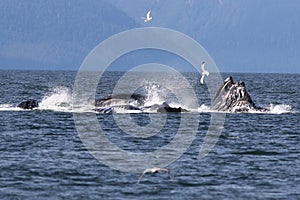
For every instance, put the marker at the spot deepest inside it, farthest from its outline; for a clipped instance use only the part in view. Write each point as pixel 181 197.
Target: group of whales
pixel 116 101
pixel 231 97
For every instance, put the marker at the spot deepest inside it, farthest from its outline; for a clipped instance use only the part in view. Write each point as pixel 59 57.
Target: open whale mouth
pixel 119 103
pixel 233 97
pixel 242 106
pixel 121 99
pixel 242 103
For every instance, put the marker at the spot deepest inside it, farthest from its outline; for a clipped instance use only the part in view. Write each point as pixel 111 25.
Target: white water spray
pixel 59 99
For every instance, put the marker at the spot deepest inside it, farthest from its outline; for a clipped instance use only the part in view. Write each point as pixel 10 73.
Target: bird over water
pixel 155 170
pixel 204 73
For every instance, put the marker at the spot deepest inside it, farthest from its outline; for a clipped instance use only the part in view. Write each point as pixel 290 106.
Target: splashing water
pixel 280 109
pixel 155 94
pixel 204 108
pixel 59 99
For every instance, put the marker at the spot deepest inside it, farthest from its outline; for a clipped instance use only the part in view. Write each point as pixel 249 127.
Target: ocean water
pixel 44 157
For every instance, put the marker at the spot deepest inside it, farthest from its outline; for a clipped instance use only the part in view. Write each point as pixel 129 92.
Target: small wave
pixel 257 153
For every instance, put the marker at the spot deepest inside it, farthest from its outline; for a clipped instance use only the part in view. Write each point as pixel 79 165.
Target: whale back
pixel 28 104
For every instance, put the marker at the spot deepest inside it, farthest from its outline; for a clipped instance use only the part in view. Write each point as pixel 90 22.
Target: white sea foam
pixel 272 109
pixel 204 108
pixel 123 110
pixel 280 109
pixel 59 99
pixel 6 105
pixel 9 107
pixel 154 94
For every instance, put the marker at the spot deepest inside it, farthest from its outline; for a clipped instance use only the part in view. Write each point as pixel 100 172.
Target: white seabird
pixel 204 73
pixel 155 170
pixel 148 17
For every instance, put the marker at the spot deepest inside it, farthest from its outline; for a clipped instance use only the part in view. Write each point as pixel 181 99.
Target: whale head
pixel 233 97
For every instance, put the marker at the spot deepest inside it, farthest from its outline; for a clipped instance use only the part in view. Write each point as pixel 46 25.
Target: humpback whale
pixel 132 102
pixel 28 104
pixel 234 97
pixel 117 99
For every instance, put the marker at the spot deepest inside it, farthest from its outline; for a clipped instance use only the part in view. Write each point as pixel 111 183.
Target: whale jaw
pixel 233 97
pixel 121 99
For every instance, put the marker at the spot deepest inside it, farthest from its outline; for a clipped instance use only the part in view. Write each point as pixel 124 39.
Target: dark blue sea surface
pixel 43 157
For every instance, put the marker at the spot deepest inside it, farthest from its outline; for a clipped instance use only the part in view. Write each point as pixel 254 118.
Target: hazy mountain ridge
pixel 240 35
pixel 46 34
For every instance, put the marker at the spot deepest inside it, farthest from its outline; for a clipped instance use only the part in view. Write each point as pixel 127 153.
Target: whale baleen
pixel 234 97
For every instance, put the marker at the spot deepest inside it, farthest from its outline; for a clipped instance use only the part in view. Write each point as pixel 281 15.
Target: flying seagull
pixel 155 170
pixel 148 17
pixel 204 73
